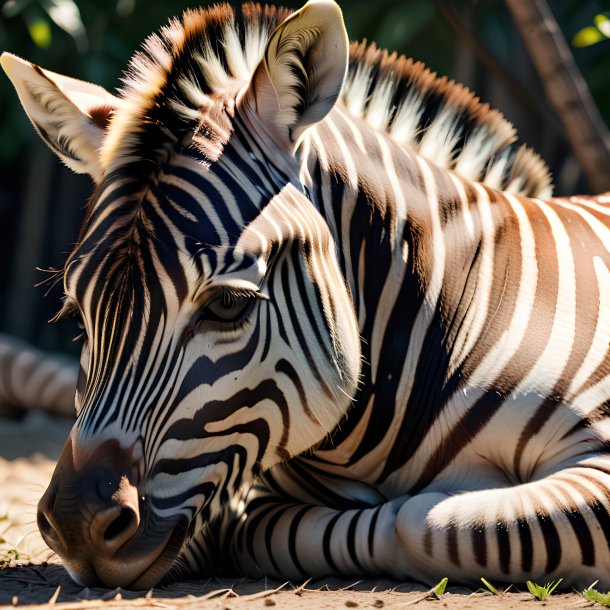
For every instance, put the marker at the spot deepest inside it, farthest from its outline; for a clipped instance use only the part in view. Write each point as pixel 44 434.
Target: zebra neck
pixel 388 210
pixel 408 235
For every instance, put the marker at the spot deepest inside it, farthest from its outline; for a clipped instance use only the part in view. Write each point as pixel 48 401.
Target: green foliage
pixel 489 588
pixel 592 595
pixel 602 23
pixel 38 15
pixel 587 36
pixel 593 34
pixel 542 592
pixel 40 32
pixel 6 557
pixel 439 589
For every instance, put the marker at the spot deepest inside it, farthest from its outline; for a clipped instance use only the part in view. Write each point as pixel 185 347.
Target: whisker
pixel 27 537
pixel 36 487
pixel 31 503
pixel 55 275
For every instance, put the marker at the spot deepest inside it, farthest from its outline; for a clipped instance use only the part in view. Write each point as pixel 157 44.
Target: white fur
pixel 484 155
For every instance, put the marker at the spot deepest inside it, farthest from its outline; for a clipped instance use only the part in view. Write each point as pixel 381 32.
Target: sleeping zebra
pixel 332 320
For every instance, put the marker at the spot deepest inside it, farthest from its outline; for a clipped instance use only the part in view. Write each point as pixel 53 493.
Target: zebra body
pixel 334 323
pixel 32 378
pixel 444 479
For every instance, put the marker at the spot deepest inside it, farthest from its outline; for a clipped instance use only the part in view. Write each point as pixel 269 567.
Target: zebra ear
pixel 70 115
pixel 299 79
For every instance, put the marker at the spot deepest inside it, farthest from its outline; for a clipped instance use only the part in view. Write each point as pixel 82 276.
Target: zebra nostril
pixel 121 524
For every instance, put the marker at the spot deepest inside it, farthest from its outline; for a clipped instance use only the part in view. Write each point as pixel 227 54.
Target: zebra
pixel 333 321
pixel 34 378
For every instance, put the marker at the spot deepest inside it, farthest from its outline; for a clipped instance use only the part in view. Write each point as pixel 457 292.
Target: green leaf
pixel 490 586
pixel 540 592
pixel 602 22
pixel 439 589
pixel 40 32
pixel 550 587
pixel 587 36
pixel 603 599
pixel 533 589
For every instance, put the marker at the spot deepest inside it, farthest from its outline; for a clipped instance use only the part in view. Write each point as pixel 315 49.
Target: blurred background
pixel 473 41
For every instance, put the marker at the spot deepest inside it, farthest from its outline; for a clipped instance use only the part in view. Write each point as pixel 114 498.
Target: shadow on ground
pixel 50 583
pixel 48 587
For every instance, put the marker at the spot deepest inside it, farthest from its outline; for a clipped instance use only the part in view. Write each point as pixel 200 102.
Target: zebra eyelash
pixel 227 296
pixel 243 293
pixel 68 310
pixel 229 293
pixel 235 292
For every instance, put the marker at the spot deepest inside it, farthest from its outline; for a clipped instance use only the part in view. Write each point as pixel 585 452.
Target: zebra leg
pixel 298 541
pixel 557 526
pixel 554 527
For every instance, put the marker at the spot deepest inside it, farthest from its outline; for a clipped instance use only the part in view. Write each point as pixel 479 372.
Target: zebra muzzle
pixel 94 516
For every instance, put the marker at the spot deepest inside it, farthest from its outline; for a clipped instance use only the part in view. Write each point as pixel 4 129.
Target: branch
pixel 531 104
pixel 565 88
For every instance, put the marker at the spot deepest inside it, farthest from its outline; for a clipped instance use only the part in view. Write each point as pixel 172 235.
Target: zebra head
pixel 219 336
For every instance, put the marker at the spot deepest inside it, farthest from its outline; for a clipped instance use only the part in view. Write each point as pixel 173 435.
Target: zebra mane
pixel 173 86
pixel 441 120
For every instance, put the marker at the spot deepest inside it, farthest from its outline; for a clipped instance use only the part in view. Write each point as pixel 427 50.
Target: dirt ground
pixel 31 576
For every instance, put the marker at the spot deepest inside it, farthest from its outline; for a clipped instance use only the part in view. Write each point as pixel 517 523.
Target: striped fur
pixel 32 378
pixel 353 359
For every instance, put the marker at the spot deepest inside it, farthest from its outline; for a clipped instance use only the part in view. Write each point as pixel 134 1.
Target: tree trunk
pixel 565 88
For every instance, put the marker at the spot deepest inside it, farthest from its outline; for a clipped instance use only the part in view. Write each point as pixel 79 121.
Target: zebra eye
pixel 228 307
